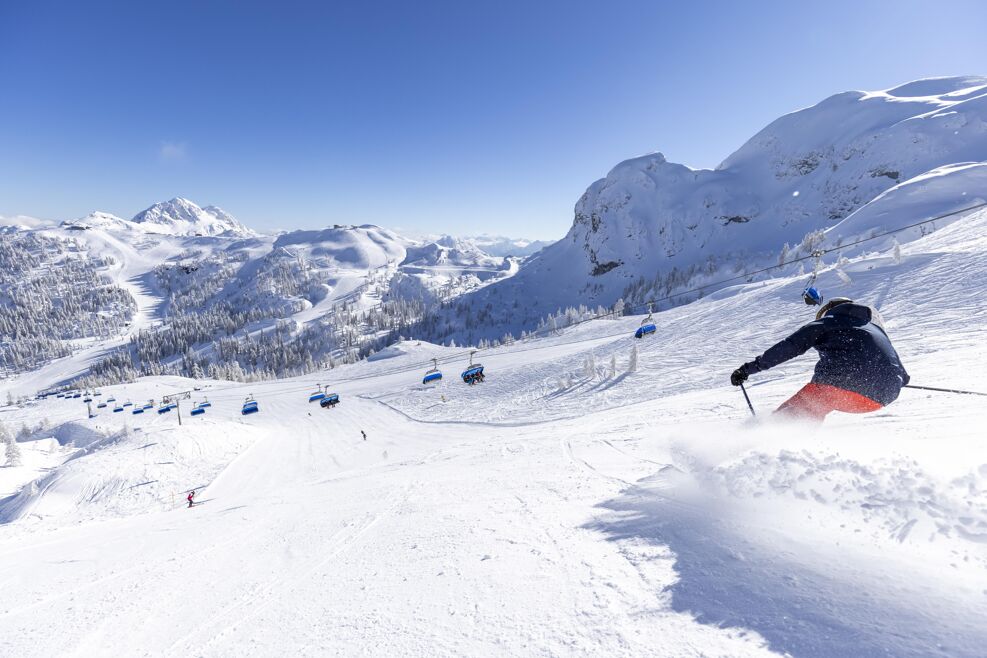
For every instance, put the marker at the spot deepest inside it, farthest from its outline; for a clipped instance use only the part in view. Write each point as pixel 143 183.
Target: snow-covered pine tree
pixel 613 365
pixel 783 256
pixel 12 449
pixel 632 362
pixel 589 368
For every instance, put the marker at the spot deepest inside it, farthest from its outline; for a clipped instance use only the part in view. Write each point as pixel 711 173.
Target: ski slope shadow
pixel 726 580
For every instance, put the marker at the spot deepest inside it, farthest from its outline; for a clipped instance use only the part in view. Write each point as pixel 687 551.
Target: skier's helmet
pixel 812 297
pixel 834 302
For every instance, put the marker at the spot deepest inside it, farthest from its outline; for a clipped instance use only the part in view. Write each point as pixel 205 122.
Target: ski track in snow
pixel 543 512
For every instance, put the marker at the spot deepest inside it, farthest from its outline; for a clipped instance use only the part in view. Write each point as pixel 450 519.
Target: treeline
pixel 215 344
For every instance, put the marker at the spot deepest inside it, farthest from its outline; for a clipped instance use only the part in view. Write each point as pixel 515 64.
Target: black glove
pixel 739 376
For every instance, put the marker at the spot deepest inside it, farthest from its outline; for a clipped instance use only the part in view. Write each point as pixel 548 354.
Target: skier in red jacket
pixel 191 495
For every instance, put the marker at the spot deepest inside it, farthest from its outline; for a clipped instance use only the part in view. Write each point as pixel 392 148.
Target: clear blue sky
pixel 453 116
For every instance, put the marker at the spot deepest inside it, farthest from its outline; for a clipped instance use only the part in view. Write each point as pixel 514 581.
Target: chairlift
pixel 810 294
pixel 137 410
pixel 317 395
pixel 128 403
pixel 249 406
pixel 205 403
pixel 434 374
pixel 647 326
pixel 329 401
pixel 165 408
pixel 117 409
pixel 101 405
pixel 812 297
pixel 111 399
pixel 198 410
pixel 88 398
pixel 77 395
pixel 474 371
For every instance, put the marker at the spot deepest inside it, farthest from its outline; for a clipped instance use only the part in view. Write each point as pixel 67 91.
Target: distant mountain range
pixel 182 288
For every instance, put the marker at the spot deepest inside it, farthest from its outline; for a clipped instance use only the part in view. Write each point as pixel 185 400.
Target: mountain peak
pixel 180 216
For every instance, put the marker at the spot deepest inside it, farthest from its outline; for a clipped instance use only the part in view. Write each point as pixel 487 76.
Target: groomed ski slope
pixel 543 512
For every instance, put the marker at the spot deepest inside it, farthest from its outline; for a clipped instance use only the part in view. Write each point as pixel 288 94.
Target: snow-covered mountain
pixel 452 252
pixel 187 290
pixel 652 226
pixel 497 245
pixel 356 247
pixel 447 268
pixel 101 220
pixel 182 217
pixel 177 217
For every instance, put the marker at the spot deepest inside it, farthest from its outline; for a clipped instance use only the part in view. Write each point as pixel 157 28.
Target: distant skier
pixel 364 435
pixel 191 496
pixel 858 369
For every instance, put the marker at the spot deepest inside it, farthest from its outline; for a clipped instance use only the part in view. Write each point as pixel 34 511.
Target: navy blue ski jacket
pixel 854 353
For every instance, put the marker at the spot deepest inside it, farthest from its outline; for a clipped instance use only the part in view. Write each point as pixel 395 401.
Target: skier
pixel 191 495
pixel 858 369
pixel 364 435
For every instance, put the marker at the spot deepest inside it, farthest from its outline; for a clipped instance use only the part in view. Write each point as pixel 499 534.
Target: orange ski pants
pixel 814 401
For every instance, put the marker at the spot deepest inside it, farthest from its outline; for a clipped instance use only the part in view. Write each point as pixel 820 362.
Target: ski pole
pixel 748 398
pixel 945 390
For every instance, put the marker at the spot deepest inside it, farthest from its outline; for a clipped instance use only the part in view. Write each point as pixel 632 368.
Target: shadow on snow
pixel 726 580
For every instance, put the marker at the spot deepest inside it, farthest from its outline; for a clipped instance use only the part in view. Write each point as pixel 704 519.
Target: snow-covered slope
pixel 568 505
pixel 356 247
pixel 667 224
pixel 936 193
pixel 182 217
pixel 100 220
